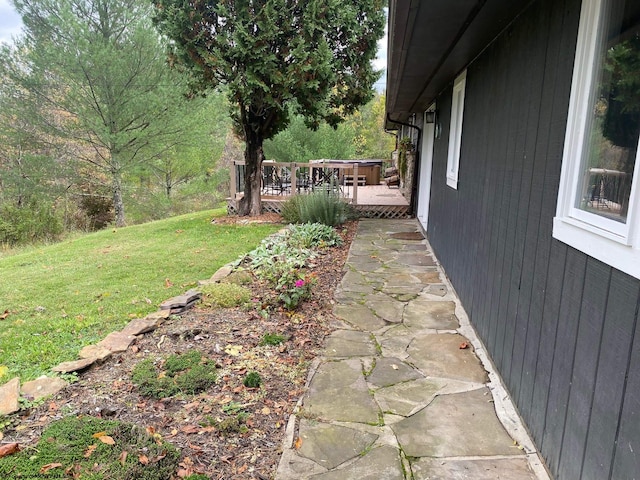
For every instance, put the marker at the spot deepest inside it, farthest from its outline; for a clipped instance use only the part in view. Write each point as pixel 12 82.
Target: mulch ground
pixel 231 338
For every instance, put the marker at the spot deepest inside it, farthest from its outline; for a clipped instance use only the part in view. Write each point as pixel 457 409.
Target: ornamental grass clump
pixel 317 207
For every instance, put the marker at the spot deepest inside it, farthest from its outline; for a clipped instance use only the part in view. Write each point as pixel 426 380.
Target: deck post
pixel 294 177
pixel 232 178
pixel 355 183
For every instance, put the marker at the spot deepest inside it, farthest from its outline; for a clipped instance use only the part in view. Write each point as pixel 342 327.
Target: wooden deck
pixel 281 181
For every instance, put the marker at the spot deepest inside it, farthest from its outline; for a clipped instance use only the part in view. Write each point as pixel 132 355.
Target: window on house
pixel 455 130
pixel 598 201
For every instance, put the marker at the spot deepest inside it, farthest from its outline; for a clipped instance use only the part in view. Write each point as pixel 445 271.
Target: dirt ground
pixel 249 446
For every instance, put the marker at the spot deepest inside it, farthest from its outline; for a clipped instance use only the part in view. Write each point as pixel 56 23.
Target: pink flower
pixel 300 283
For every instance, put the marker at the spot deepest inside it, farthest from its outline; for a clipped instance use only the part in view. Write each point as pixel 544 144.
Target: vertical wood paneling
pixel 626 462
pixel 559 325
pixel 615 351
pixel 560 381
pixel 585 363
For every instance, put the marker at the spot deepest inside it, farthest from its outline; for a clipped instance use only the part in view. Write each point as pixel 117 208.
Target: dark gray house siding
pixel 560 326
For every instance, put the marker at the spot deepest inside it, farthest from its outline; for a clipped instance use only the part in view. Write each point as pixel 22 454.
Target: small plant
pixel 224 295
pixel 273 339
pixel 187 373
pixel 312 235
pixel 252 380
pixel 293 294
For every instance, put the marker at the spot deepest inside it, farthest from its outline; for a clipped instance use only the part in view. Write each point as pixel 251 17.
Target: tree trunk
pixel 251 204
pixel 118 204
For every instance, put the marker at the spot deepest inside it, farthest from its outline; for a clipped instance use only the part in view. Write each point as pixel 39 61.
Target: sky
pixel 10 25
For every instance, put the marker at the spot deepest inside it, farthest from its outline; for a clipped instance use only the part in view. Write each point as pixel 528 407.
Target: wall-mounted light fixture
pixel 430 117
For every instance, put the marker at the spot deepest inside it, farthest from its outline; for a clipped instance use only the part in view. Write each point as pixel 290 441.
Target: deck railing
pixel 286 179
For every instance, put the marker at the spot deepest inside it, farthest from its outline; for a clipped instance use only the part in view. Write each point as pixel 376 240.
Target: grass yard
pixel 58 298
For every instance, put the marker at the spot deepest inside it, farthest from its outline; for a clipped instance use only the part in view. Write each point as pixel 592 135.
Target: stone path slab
pixel 344 380
pixel 332 445
pixel 394 396
pixel 472 469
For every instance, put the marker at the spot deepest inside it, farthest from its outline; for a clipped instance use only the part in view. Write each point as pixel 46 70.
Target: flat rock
pixel 96 352
pixel 9 395
pixel 391 371
pixel 338 391
pixel 477 469
pixel 440 355
pixel 359 316
pixel 407 398
pixel 385 307
pixel 436 289
pixel 74 366
pixel 158 314
pixel 331 445
pixel 380 463
pixel 428 277
pixel 221 273
pixel 456 425
pixel 117 342
pixel 427 314
pixel 181 301
pixel 350 343
pixel 416 259
pixel 42 387
pixel 138 326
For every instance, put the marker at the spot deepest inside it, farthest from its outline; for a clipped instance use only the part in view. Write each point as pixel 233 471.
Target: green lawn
pixel 65 296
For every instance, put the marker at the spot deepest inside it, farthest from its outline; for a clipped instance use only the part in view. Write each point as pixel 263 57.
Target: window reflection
pixel 613 131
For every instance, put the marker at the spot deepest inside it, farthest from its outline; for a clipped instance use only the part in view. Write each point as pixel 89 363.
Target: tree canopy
pixel 93 74
pixel 309 57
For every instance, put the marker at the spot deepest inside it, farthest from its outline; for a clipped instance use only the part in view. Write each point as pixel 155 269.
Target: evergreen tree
pixel 97 72
pixel 312 57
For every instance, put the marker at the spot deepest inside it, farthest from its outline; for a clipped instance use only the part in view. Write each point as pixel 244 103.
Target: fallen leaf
pixel 233 350
pixel 464 346
pixel 143 459
pixel 107 439
pixel 89 451
pixel 99 434
pixel 298 443
pixel 122 458
pixel 9 449
pixel 266 411
pixel 243 468
pixel 150 430
pixel 167 283
pixel 3 370
pixel 188 429
pixel 49 466
pixel 4 315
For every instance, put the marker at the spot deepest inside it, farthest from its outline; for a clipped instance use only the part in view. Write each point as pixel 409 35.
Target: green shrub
pixel 29 223
pixel 320 207
pixel 225 295
pixel 290 210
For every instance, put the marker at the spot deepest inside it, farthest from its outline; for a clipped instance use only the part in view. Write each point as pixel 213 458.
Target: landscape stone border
pixel 114 342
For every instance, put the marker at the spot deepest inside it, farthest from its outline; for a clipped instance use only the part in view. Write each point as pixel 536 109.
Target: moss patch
pixel 92 448
pixel 187 373
pixel 224 295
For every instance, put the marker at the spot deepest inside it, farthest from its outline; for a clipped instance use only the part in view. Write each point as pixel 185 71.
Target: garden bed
pixel 230 430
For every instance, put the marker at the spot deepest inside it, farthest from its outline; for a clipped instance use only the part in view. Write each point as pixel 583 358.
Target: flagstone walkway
pixel 404 389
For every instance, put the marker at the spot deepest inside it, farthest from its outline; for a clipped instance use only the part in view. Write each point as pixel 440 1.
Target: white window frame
pixel 455 129
pixel 615 243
